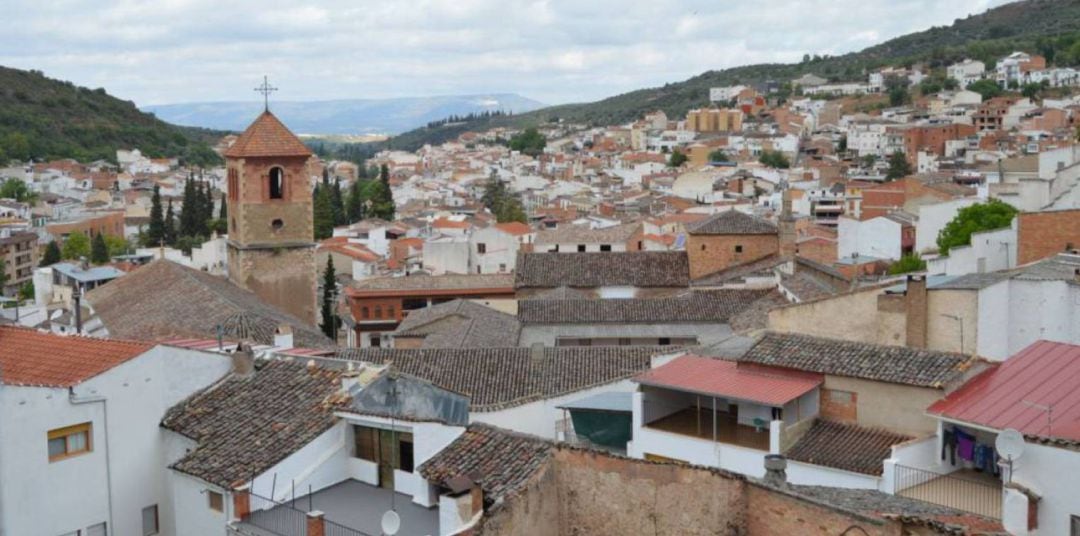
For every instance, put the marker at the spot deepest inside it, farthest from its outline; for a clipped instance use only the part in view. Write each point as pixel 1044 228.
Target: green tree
pixel 329 319
pixel 530 142
pixel 170 226
pixel 3 275
pixel 1031 90
pixel 16 189
pixel 382 197
pixel 910 262
pixel 223 212
pixel 323 213
pixel 718 156
pixel 26 291
pixel 337 202
pixel 774 159
pixel 189 211
pixel 99 251
pixel 355 201
pixel 117 245
pixel 896 87
pixel 987 88
pixel 987 216
pixel 677 159
pixel 52 254
pixel 16 145
pixel 899 167
pixel 155 232
pixel 76 245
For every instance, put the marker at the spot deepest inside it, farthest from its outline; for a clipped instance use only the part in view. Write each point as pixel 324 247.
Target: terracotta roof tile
pixel 500 461
pixel 589 270
pixel 30 357
pixel 846 446
pixel 267 136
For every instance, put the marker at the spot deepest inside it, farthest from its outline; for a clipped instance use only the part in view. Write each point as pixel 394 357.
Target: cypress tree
pixel 189 210
pixel 337 203
pixel 155 233
pixel 52 254
pixel 323 213
pixel 99 251
pixel 223 212
pixel 329 319
pixel 170 226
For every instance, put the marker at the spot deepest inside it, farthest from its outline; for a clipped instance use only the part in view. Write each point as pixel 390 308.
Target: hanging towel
pixel 965 446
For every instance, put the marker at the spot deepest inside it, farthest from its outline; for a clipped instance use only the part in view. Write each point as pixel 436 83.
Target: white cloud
pixel 553 50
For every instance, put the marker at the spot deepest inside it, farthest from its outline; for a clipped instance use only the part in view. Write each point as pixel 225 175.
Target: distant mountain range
pixel 350 116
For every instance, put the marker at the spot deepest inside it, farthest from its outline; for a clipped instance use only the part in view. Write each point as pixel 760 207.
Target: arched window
pixel 378 311
pixel 364 312
pixel 277 183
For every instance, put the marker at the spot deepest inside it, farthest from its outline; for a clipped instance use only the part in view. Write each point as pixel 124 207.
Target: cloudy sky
pixel 168 51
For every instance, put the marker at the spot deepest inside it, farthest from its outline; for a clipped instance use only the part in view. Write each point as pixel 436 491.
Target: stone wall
pixel 285 278
pixel 773 512
pixel 534 511
pixel 711 253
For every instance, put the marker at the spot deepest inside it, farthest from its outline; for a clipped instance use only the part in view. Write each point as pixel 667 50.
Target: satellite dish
pixel 391 523
pixel 1010 444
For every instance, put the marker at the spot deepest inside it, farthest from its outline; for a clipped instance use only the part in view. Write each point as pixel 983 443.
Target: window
pixel 216 501
pixel 149 520
pixel 738 248
pixel 277 183
pixel 1074 525
pixel 665 341
pixel 366 443
pixel 581 248
pixel 502 267
pixel 703 247
pixel 277 224
pixel 605 247
pixel 556 250
pixel 69 441
pixel 481 248
pixel 405 453
pixel 624 341
pixel 378 311
pixel 390 311
pixel 479 270
pixel 234 185
pixel 364 313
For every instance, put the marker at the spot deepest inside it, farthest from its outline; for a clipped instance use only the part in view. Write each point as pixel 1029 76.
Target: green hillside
pixel 1049 27
pixel 42 118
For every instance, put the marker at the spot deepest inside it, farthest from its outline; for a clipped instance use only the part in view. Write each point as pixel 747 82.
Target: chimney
pixel 283 336
pixel 776 470
pixel 915 308
pixel 243 361
pixel 787 235
pixel 84 264
pixel 76 298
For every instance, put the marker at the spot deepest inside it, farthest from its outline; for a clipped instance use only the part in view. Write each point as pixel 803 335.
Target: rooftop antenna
pixel 266 89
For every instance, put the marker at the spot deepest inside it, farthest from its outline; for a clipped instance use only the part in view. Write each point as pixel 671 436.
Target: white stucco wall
pixel 125 467
pixel 933 218
pixel 876 237
pixel 539 418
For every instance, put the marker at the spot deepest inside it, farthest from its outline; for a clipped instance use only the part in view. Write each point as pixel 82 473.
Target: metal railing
pixel 969 495
pixel 280 518
pixel 333 529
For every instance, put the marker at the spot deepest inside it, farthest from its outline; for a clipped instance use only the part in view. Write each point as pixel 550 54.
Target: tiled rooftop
pixel 267 136
pixel 846 446
pixel 31 357
pixel 591 270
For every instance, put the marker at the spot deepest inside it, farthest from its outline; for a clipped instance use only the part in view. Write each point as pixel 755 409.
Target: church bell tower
pixel 271 226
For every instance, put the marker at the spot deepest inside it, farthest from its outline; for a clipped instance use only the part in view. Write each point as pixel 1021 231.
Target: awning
pixel 614 402
pixel 730 380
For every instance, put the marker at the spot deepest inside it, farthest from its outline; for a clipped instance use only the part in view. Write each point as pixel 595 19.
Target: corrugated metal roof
pixel 718 377
pixel 1017 393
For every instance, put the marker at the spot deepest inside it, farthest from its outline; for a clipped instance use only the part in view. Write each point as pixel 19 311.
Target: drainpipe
pixel 77 400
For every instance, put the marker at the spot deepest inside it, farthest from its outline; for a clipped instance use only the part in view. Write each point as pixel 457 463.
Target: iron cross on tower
pixel 266 89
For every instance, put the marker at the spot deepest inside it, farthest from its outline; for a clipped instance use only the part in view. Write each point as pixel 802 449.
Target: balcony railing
pixel 284 519
pixel 976 493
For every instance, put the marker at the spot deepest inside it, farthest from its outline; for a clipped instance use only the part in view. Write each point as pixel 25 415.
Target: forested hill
pixel 43 118
pixel 1049 27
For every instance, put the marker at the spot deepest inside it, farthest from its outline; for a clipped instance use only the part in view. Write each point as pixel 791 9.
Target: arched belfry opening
pixel 277 183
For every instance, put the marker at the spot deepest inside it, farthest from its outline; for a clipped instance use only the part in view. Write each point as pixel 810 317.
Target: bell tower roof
pixel 267 136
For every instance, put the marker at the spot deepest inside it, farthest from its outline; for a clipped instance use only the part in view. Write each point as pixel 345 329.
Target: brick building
pixel 93 224
pixel 1045 234
pixel 729 239
pixel 932 138
pixel 271 225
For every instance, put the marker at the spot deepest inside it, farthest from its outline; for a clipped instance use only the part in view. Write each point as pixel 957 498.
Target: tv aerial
pixel 391 523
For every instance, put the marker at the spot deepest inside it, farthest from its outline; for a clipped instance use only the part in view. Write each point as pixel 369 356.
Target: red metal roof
pixel 37 358
pixel 1016 393
pixel 718 377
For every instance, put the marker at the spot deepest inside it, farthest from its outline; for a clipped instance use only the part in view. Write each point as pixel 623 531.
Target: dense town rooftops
pixel 245 424
pixel 696 306
pixel 731 222
pixel 590 270
pixel 846 446
pixel 583 234
pixel 164 300
pixel 892 364
pixel 267 137
pixel 497 378
pixel 35 358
